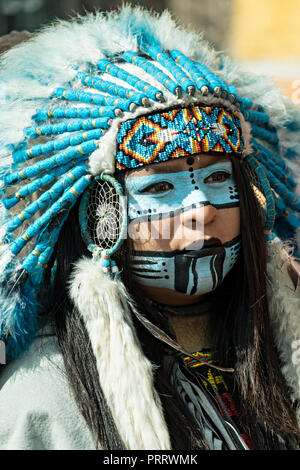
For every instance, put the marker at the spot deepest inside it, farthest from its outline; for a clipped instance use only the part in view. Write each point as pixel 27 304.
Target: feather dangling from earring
pixel 125 374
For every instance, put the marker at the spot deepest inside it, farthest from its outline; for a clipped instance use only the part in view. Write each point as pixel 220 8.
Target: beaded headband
pixel 91 123
pixel 176 133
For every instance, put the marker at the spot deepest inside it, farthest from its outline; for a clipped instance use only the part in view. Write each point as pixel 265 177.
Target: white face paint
pixel 160 204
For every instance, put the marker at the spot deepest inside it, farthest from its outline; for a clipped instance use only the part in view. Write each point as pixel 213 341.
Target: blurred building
pixel 31 14
pixel 265 37
pixel 213 18
pixel 266 28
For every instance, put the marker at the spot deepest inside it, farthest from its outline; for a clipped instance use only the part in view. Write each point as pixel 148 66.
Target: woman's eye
pixel 217 177
pixel 156 188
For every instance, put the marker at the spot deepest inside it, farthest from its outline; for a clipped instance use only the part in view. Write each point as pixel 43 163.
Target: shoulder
pixel 37 407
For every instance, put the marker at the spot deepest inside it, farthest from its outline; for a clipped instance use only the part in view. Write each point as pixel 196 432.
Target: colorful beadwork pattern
pixel 179 132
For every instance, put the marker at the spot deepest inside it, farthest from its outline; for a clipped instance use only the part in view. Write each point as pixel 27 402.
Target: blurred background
pixel 263 35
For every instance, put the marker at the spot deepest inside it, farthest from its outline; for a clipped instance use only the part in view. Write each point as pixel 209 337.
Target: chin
pixel 169 296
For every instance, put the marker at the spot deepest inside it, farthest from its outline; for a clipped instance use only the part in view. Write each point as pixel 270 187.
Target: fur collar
pixel 283 290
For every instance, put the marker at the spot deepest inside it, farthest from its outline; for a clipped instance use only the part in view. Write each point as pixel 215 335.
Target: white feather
pixel 126 376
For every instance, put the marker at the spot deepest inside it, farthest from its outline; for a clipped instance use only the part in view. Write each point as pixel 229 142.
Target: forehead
pixel 201 160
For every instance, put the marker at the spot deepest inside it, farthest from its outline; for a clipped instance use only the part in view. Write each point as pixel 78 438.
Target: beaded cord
pixel 77 153
pixel 276 171
pixel 93 98
pixel 267 191
pixel 148 67
pixel 245 103
pixel 164 59
pixel 109 266
pixel 73 113
pixel 269 156
pixel 205 80
pixel 282 211
pixel 75 140
pixel 215 83
pixel 281 189
pixel 257 117
pixel 113 89
pixel 48 197
pixel 45 246
pixel 150 91
pixel 264 134
pixel 36 184
pixel 201 82
pixel 232 93
pixel 66 201
pixel 68 126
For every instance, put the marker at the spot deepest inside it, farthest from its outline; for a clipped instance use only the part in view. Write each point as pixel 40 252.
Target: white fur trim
pixel 284 306
pixel 126 376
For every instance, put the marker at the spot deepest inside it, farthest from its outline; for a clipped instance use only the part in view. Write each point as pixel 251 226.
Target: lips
pixel 210 247
pixel 209 243
pixel 212 242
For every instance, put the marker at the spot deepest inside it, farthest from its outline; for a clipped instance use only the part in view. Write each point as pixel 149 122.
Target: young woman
pixel 179 332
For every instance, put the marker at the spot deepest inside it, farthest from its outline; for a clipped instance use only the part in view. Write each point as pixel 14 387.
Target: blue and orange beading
pixel 179 132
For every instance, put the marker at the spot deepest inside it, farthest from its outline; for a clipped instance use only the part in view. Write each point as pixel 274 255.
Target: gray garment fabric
pixel 219 433
pixel 37 408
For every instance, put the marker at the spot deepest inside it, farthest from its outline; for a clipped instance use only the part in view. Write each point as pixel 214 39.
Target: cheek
pixel 229 223
pixel 154 235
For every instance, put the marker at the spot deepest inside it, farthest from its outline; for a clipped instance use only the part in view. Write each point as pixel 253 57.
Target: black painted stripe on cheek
pixel 181 269
pixel 195 276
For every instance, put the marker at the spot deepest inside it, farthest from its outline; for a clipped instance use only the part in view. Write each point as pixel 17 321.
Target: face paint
pixel 190 272
pixel 165 196
pixel 187 189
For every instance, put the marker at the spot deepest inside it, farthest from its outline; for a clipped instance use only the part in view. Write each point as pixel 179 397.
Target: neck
pixel 192 332
pixel 164 296
pixel 190 324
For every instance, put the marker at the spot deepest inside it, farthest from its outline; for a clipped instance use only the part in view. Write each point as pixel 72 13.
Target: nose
pixel 192 227
pixel 197 218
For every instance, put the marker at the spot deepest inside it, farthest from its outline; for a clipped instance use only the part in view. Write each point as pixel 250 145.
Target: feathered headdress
pixel 64 96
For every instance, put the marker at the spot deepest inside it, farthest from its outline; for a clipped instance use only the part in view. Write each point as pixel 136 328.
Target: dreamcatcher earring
pixel 103 220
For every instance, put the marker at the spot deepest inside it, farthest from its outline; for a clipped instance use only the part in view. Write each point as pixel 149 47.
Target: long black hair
pixel 241 334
